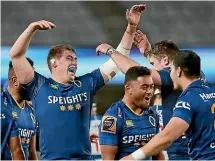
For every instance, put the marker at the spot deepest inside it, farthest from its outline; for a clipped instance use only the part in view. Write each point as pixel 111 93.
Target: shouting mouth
pixel 72 69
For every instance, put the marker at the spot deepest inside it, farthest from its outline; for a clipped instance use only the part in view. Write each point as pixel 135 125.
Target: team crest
pixel 14 114
pixel 109 124
pixel 33 118
pixel 152 120
pixel 129 123
pixel 53 86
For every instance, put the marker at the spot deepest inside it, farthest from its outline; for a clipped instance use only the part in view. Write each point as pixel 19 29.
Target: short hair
pixel 11 67
pixel 164 47
pixel 56 52
pixel 189 62
pixel 134 72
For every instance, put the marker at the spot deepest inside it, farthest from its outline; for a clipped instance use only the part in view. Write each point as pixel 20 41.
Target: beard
pixel 24 93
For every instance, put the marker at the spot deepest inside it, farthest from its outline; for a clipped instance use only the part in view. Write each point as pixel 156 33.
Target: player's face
pixel 142 91
pixel 157 62
pixel 67 66
pixel 174 77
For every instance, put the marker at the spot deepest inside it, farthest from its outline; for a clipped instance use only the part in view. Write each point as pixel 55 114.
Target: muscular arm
pixel 23 69
pixel 32 149
pixel 124 63
pixel 108 152
pixel 15 147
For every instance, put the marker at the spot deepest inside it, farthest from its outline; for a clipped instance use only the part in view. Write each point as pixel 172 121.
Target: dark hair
pixel 189 62
pixel 56 52
pixel 11 67
pixel 164 47
pixel 134 72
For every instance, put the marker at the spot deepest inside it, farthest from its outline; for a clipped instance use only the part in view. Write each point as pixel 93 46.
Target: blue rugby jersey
pixel 9 128
pixel 63 115
pixel 122 128
pixel 196 106
pixel 25 121
pixel 169 99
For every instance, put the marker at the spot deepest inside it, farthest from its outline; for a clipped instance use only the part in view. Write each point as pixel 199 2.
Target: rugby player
pixel 15 99
pixel 129 124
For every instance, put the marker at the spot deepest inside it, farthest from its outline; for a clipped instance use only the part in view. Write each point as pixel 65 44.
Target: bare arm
pixel 32 149
pixel 23 69
pixel 109 69
pixel 124 63
pixel 15 147
pixel 165 138
pixel 108 152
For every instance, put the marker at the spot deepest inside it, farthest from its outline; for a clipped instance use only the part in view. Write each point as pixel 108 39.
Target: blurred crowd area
pixel 88 24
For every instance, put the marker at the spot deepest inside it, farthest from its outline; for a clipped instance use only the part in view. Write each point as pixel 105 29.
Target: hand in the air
pixel 102 49
pixel 42 25
pixel 142 42
pixel 133 15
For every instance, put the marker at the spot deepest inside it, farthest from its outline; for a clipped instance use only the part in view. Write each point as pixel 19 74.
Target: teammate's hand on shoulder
pixel 133 15
pixel 42 25
pixel 103 48
pixel 142 42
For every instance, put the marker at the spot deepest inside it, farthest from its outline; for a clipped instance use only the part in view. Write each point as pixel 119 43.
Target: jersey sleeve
pixel 185 107
pixel 33 87
pixel 109 129
pixel 96 80
pixel 14 129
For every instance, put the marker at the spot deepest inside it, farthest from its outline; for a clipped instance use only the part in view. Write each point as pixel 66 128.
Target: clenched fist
pixel 103 48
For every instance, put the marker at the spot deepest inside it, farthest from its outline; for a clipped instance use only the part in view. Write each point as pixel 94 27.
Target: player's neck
pixel 132 106
pixel 59 80
pixel 16 96
pixel 187 81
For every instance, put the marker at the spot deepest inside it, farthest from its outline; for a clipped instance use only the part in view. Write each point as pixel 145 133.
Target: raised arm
pixel 23 69
pixel 109 69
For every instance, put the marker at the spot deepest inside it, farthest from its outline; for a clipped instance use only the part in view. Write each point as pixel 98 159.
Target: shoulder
pixel 115 109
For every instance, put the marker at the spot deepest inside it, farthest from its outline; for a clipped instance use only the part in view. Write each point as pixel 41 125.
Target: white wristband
pixel 138 155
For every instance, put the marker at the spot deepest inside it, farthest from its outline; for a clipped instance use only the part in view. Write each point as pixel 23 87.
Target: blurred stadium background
pixel 87 24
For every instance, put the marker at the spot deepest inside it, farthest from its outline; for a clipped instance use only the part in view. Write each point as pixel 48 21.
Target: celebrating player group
pixel 140 126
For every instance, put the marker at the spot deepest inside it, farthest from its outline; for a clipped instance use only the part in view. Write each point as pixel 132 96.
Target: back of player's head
pixel 56 52
pixel 189 62
pixel 11 71
pixel 164 48
pixel 134 72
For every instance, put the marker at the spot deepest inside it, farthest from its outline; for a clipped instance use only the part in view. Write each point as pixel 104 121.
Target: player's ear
pixel 165 60
pixel 15 80
pixel 179 72
pixel 53 63
pixel 128 88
